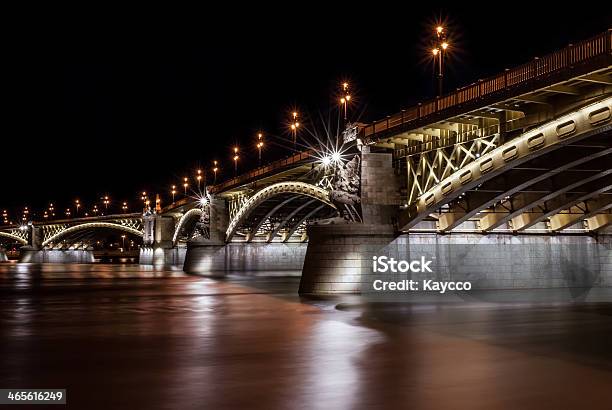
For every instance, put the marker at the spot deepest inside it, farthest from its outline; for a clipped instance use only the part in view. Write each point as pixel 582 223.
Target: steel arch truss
pixel 426 169
pixel 556 175
pixel 185 226
pixel 280 210
pixel 53 232
pixel 16 234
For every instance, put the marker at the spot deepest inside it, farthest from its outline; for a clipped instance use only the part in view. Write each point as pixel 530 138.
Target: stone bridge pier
pixel 337 252
pixel 158 246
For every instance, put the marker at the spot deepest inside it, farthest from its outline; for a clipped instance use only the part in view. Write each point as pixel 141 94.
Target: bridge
pixel 525 154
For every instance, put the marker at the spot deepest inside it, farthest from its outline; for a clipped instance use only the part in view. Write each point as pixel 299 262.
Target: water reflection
pixel 157 338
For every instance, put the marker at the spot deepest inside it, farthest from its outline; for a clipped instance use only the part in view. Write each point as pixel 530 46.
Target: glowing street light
pixel 173 192
pixel 295 125
pixel 124 207
pixel 345 99
pixel 260 145
pixel 106 202
pixel 441 45
pixel 199 178
pixel 185 184
pixel 78 205
pixel 123 244
pixel 215 169
pixel 236 157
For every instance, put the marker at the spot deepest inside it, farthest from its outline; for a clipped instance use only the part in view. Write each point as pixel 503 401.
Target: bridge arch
pixel 91 225
pixel 14 237
pixel 189 217
pixel 280 188
pixel 582 123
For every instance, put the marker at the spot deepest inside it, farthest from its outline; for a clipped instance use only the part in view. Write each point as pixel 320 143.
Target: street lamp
pixel 199 178
pixel 124 207
pixel 438 52
pixel 106 202
pixel 123 244
pixel 260 145
pixel 294 126
pixel 215 169
pixel 345 99
pixel 78 205
pixel 185 184
pixel 236 157
pixel 173 192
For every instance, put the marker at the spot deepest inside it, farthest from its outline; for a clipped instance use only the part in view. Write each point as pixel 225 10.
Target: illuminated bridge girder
pixel 16 234
pixel 285 190
pixel 185 225
pixel 55 232
pixel 503 164
pixel 576 185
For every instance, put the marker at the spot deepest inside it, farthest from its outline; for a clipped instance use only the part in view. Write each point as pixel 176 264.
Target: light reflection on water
pixel 158 338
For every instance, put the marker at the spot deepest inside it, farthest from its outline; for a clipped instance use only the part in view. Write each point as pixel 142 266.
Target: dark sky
pixel 99 104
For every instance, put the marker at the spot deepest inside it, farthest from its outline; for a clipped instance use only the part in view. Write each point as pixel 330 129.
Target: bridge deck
pixel 578 60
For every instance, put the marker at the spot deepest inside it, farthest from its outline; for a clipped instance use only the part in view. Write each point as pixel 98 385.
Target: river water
pixel 131 337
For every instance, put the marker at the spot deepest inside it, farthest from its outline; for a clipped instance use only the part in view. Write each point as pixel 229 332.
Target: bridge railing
pixel 540 69
pixel 263 170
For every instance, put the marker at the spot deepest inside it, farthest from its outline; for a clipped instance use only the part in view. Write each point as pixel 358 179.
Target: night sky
pixel 116 106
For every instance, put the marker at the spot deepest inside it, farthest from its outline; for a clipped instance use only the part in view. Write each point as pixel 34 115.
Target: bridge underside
pixel 86 238
pixel 282 218
pixel 568 188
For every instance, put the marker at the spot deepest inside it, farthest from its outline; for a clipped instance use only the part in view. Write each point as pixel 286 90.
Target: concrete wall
pixel 336 255
pixel 162 257
pixel 339 259
pixel 218 259
pixel 56 256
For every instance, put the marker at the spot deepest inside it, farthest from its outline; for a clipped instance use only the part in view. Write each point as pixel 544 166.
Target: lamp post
pixel 78 205
pixel 199 178
pixel 345 99
pixel 124 207
pixel 236 157
pixel 215 169
pixel 260 145
pixel 294 126
pixel 106 202
pixel 439 52
pixel 185 185
pixel 173 192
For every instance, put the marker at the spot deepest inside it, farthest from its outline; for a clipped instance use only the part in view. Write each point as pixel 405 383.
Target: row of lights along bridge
pixel 438 52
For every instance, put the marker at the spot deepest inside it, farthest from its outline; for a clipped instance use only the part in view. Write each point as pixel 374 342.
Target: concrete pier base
pixel 3 257
pixel 55 256
pixel 161 256
pixel 339 259
pixel 216 260
pixel 336 255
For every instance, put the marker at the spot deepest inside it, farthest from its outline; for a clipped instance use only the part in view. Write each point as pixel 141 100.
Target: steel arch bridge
pixel 186 224
pixel 558 173
pixel 55 232
pixel 280 208
pixel 17 235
